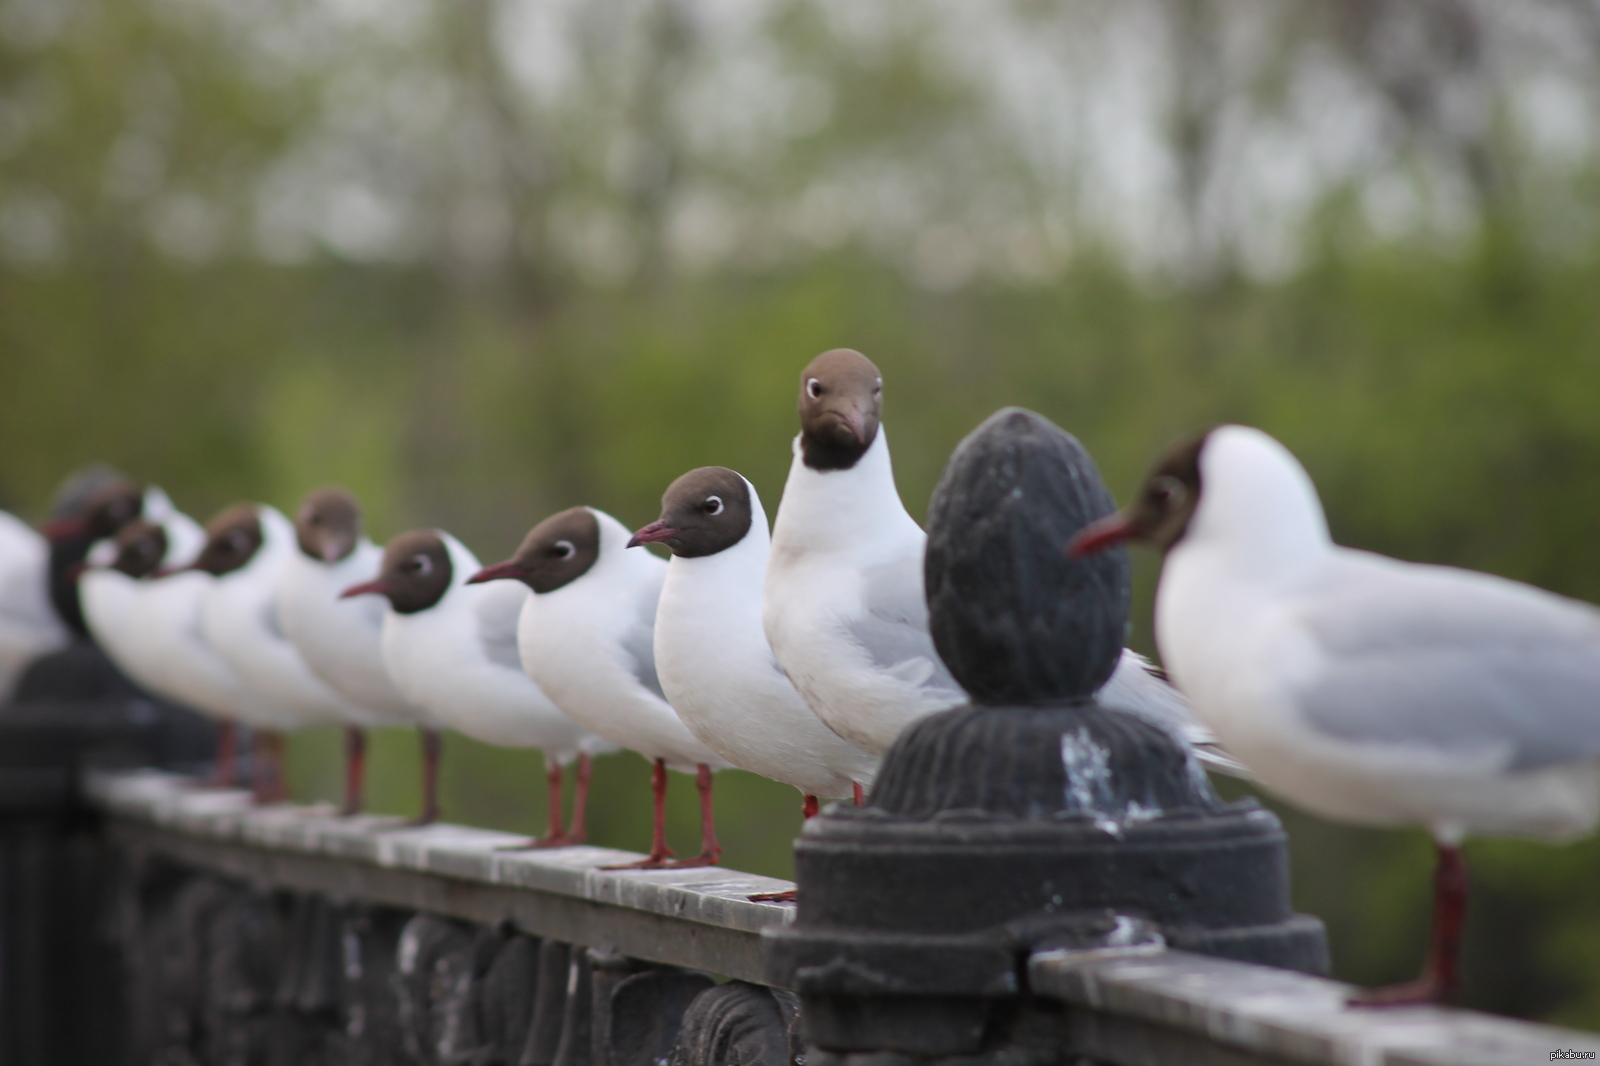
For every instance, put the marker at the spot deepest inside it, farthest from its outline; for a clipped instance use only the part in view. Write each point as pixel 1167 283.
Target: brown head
pixel 106 510
pixel 556 552
pixel 232 539
pixel 841 401
pixel 415 574
pixel 1160 514
pixel 328 524
pixel 141 546
pixel 702 513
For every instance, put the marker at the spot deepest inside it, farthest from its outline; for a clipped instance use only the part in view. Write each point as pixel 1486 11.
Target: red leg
pixel 555 836
pixel 659 852
pixel 1441 975
pixel 809 807
pixel 225 770
pixel 355 769
pixel 267 771
pixel 709 848
pixel 432 742
pixel 860 796
pixel 579 832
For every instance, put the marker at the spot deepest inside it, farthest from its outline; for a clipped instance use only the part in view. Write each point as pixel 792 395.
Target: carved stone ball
pixel 1015 619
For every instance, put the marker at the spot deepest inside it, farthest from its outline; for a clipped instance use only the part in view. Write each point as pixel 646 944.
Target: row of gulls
pixel 1364 689
pixel 798 655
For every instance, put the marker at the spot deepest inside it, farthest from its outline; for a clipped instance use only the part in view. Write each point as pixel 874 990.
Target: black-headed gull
pixel 1361 688
pixel 843 605
pixel 586 636
pixel 712 656
pixel 341 640
pixel 29 624
pixel 246 548
pixel 451 648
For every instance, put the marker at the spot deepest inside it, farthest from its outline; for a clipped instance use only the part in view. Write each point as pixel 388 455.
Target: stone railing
pixel 286 934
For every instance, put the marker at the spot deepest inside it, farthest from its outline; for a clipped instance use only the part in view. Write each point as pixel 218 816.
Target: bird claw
pixel 1426 991
pixel 788 895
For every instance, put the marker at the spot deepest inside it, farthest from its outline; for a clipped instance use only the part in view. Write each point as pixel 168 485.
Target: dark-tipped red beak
pixel 65 528
pixel 366 588
pixel 654 532
pixel 1098 536
pixel 499 572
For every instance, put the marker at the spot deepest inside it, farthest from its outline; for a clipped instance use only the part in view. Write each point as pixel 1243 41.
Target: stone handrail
pixel 1131 1008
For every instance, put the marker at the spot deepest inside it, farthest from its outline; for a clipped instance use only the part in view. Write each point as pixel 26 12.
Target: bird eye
pixel 1169 490
pixel 316 519
pixel 238 541
pixel 712 506
pixel 877 388
pixel 420 565
pixel 563 549
pixel 813 388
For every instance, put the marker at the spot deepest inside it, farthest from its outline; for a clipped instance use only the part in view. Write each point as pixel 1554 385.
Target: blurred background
pixel 485 259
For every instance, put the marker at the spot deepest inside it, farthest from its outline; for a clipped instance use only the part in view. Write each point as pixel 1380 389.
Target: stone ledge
pixel 1272 1016
pixel 655 912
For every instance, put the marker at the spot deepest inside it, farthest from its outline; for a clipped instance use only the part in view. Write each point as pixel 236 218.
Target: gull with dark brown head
pixel 844 607
pixel 339 639
pixel 247 547
pixel 1365 689
pixel 586 635
pixel 715 665
pixel 450 647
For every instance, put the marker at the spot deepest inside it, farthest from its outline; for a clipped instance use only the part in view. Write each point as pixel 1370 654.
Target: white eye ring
pixel 813 388
pixel 424 565
pixel 713 505
pixel 565 549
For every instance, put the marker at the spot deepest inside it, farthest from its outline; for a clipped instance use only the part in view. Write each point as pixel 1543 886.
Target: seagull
pixel 451 648
pixel 114 594
pixel 1361 688
pixel 341 640
pixel 715 665
pixel 176 661
pixel 29 625
pixel 586 636
pixel 843 605
pixel 246 548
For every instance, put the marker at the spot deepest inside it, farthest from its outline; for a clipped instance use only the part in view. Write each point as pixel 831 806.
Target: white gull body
pixel 1371 690
pixel 589 645
pixel 846 616
pixel 29 626
pixel 240 620
pixel 458 661
pixel 341 640
pixel 718 672
pixel 117 607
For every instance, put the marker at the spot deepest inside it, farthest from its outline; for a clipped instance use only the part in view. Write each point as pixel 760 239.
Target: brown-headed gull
pixel 341 640
pixel 1361 688
pixel 844 607
pixel 586 636
pixel 451 648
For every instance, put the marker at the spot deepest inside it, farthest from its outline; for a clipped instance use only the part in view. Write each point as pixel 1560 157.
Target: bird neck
pixel 825 510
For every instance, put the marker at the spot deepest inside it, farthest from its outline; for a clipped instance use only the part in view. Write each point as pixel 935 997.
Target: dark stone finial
pixel 1015 619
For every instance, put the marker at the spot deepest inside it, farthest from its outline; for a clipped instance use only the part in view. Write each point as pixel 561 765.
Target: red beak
pixel 1098 536
pixel 856 422
pixel 498 572
pixel 652 533
pixel 65 528
pixel 368 588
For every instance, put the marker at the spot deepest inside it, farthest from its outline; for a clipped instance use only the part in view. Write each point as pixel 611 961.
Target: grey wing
pixel 893 628
pixel 1459 663
pixel 639 646
pixel 498 610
